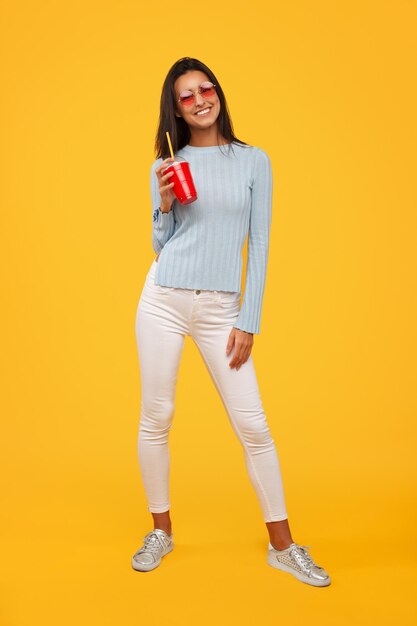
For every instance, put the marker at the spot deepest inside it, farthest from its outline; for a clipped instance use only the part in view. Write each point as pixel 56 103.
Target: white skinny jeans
pixel 165 315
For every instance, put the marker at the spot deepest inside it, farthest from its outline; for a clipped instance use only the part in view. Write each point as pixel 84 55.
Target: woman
pixel 193 288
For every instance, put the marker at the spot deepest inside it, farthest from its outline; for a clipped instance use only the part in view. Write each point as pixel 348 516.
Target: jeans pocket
pixel 229 299
pixel 163 289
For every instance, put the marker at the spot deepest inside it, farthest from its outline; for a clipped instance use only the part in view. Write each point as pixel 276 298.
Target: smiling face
pixel 203 113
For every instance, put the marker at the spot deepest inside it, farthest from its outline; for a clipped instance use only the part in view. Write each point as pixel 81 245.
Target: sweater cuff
pixel 158 213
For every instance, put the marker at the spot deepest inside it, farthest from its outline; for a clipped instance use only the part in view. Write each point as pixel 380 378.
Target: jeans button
pixel 198 291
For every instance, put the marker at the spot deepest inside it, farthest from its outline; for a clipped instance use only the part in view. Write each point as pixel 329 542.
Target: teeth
pixel 203 112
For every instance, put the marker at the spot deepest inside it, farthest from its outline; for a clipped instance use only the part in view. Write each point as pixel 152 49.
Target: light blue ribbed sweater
pixel 200 244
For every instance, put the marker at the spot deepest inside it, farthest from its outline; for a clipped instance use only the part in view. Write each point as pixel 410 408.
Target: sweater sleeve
pixel 258 245
pixel 163 224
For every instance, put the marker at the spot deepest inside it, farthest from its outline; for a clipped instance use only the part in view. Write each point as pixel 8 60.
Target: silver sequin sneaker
pixel 296 561
pixel 157 543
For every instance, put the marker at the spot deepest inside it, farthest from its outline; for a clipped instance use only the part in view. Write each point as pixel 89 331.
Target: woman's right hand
pixel 165 187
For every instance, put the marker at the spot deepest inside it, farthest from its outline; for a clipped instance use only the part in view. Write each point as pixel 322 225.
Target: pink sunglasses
pixel 187 97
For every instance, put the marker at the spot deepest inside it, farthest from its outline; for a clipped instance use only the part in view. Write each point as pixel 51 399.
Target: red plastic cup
pixel 183 182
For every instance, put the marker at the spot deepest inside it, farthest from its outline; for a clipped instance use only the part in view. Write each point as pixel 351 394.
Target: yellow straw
pixel 170 144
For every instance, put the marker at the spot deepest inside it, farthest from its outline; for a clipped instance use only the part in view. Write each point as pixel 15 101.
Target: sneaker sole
pixel 139 567
pixel 309 581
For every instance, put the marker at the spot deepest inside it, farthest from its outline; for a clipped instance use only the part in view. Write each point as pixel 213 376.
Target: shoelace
pixel 303 554
pixel 153 542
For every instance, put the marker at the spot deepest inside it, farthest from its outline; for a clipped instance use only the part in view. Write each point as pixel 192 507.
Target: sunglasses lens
pixel 187 98
pixel 207 89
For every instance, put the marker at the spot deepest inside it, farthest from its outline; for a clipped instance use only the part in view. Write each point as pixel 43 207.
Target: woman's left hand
pixel 242 343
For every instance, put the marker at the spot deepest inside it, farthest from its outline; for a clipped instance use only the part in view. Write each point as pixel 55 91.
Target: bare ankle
pixel 166 529
pixel 162 521
pixel 279 546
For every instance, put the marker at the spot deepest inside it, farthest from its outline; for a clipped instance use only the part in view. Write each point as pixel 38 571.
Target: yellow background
pixel 327 89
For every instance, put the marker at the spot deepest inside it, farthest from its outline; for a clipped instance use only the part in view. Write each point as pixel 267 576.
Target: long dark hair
pixel 178 128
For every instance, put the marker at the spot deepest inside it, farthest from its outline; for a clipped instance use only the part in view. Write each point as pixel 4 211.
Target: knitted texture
pixel 200 244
